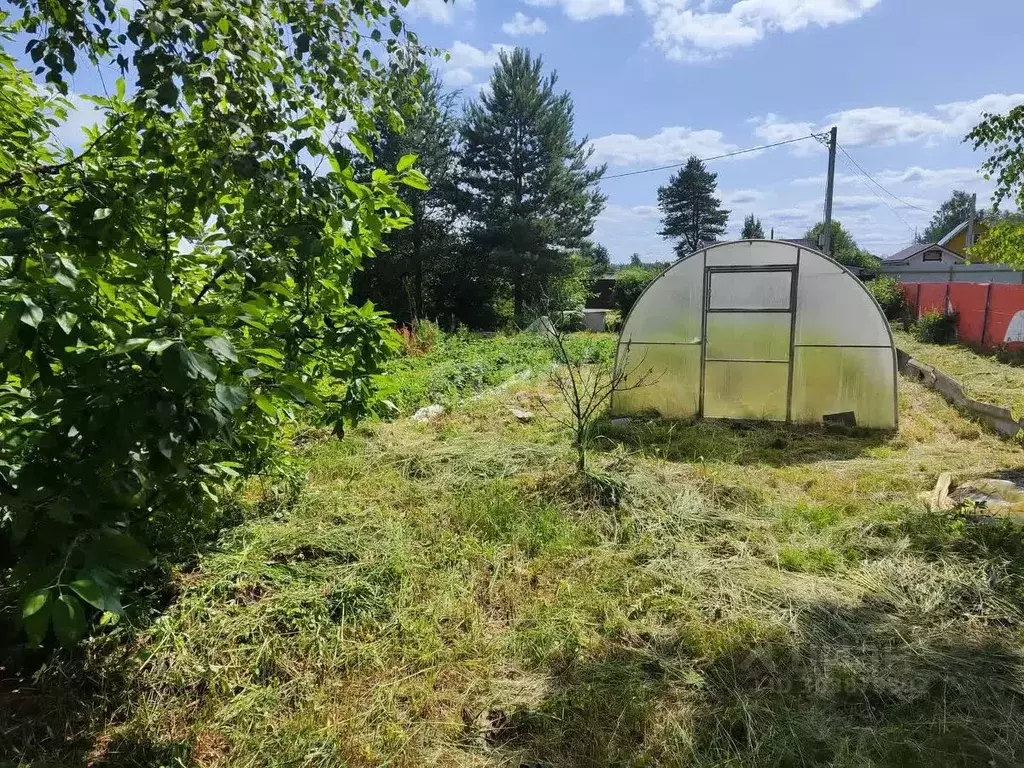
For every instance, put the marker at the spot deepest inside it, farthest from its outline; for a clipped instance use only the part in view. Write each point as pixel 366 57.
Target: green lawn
pixel 450 594
pixel 982 376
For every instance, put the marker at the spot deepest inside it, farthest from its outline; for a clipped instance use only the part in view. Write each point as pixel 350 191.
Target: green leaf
pixel 406 162
pixel 33 314
pixel 264 404
pixel 35 602
pixel 67 321
pixel 68 619
pixel 90 592
pixel 36 625
pixel 231 398
pixel 156 346
pixel 164 287
pixel 101 213
pixel 396 26
pixel 360 144
pixel 416 180
pixel 222 349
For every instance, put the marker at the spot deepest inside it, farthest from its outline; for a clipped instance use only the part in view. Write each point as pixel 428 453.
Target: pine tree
pixel 752 229
pixel 690 210
pixel 398 280
pixel 532 200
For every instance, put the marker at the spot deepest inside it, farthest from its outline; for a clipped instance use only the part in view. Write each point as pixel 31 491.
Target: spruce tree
pixel 402 279
pixel 690 211
pixel 532 199
pixel 752 229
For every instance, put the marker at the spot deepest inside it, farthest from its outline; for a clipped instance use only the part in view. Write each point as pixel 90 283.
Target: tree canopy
pixel 690 211
pixel 844 248
pixel 752 229
pixel 173 292
pixel 533 200
pixel 1003 137
pixel 952 213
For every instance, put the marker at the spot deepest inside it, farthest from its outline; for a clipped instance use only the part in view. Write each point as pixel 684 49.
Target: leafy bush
pixel 936 327
pixel 571 320
pixel 613 321
pixel 175 292
pixel 629 284
pixel 887 293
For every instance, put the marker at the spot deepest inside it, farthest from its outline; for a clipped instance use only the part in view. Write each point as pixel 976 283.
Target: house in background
pixel 924 254
pixel 965 235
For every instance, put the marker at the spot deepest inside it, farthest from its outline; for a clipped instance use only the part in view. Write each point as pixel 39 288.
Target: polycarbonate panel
pixel 671 308
pixel 748 335
pixel 674 388
pixel 750 290
pixel 836 380
pixel 834 308
pixel 745 390
pixel 751 253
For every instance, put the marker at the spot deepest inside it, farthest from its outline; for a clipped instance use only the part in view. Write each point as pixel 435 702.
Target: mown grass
pixel 448 594
pixel 983 376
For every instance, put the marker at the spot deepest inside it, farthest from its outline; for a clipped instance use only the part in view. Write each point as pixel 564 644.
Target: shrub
pixel 570 320
pixel 889 296
pixel 613 321
pixel 629 284
pixel 936 327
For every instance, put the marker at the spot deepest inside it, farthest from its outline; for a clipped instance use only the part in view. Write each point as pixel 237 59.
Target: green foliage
pixel 613 321
pixel 951 214
pixel 172 294
pixel 409 279
pixel 1003 243
pixel 844 248
pixel 690 211
pixel 1003 137
pixel 887 293
pixel 752 229
pixel 533 197
pixel 629 284
pixel 936 327
pixel 459 365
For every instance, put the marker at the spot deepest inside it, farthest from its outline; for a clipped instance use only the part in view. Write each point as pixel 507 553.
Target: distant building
pixel 924 253
pixel 965 235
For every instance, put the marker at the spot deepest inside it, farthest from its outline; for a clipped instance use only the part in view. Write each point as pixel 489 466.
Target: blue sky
pixel 654 81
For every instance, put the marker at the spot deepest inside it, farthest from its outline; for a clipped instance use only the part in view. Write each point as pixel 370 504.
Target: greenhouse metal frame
pixel 759 329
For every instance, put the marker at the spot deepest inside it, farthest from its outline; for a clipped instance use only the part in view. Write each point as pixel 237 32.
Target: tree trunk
pixel 517 294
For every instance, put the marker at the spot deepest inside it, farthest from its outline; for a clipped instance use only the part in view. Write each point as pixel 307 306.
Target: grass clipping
pixel 443 595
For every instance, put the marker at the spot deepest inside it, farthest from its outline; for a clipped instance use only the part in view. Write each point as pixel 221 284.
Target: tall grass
pixel 441 595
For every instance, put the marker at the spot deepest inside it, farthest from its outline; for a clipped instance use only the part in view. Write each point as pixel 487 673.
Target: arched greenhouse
pixel 758 329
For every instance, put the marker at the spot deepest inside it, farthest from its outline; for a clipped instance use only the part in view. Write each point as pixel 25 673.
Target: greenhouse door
pixel 747 355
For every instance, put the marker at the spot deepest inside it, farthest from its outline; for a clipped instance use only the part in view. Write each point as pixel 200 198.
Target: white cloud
pixel 465 61
pixel 521 24
pixel 584 10
pixel 438 11
pixel 885 126
pixel 921 178
pixel 669 145
pixel 687 31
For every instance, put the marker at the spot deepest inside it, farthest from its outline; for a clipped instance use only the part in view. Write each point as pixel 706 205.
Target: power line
pixel 709 159
pixel 886 202
pixel 872 180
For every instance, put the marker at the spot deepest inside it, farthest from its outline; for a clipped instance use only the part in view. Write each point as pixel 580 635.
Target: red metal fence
pixel 991 314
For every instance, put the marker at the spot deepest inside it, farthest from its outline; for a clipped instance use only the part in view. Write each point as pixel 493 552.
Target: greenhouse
pixel 758 329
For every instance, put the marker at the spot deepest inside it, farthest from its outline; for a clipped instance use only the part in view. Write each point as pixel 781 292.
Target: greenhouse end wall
pixel 758 329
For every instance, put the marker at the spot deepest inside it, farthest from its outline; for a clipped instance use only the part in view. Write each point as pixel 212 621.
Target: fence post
pixel 984 319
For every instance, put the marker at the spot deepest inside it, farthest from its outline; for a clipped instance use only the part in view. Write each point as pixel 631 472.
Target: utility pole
pixel 830 185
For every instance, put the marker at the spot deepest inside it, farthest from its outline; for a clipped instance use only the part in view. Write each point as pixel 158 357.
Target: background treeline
pixel 510 208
